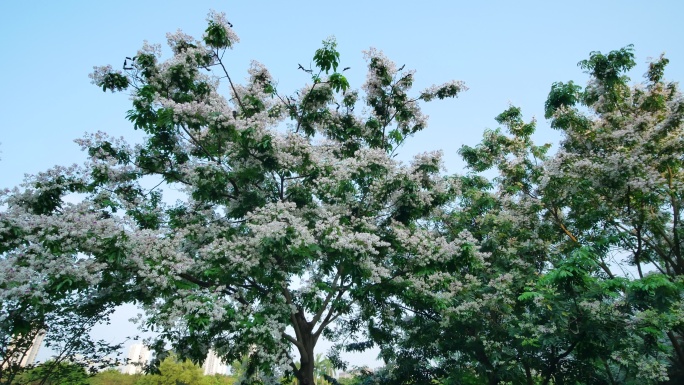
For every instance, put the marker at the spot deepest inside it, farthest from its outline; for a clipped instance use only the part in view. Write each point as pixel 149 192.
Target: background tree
pixel 220 379
pixel 54 373
pixel 540 302
pixel 113 377
pixel 173 371
pixel 626 143
pixel 52 277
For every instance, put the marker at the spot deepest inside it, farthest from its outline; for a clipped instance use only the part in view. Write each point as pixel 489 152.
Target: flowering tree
pixel 525 304
pixel 619 174
pixel 541 298
pixel 52 273
pixel 294 211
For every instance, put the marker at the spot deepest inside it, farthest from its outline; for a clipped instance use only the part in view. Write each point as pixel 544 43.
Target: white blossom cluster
pixel 99 73
pixel 219 18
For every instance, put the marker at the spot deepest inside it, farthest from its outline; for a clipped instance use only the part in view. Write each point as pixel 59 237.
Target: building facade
pixel 214 365
pixel 138 356
pixel 30 356
pixel 16 353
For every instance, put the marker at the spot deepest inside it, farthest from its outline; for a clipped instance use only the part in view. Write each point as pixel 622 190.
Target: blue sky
pixel 507 52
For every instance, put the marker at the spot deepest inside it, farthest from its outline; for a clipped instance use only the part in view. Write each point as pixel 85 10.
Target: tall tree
pixel 543 299
pixel 619 174
pixel 295 211
pixel 52 277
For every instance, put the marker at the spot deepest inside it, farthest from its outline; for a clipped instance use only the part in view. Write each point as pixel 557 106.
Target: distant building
pixel 17 354
pixel 138 355
pixel 214 365
pixel 30 356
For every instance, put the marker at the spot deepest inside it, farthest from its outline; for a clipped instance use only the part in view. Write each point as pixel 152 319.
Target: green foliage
pixel 561 95
pixel 610 81
pixel 219 379
pixel 543 305
pixel 114 82
pixel 656 69
pixel 113 377
pixel 172 371
pixel 54 373
pixel 327 57
pixel 216 37
pixel 609 68
pixel 338 82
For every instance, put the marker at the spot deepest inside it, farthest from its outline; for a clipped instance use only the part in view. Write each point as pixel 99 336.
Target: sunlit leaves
pixel 338 82
pixel 561 95
pixel 216 36
pixel 327 57
pixel 114 81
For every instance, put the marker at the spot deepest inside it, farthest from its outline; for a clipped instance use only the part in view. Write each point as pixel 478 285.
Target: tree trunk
pixel 305 373
pixel 679 352
pixel 528 374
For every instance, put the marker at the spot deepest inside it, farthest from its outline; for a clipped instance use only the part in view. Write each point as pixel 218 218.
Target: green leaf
pixel 338 82
pixel 327 58
pixel 529 295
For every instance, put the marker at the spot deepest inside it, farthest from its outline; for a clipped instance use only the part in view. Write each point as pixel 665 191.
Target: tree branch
pixel 329 317
pixel 293 318
pixel 203 284
pixel 294 341
pixel 230 81
pixel 328 297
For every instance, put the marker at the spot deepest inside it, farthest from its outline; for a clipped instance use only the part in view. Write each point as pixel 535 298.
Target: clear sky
pixel 507 52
